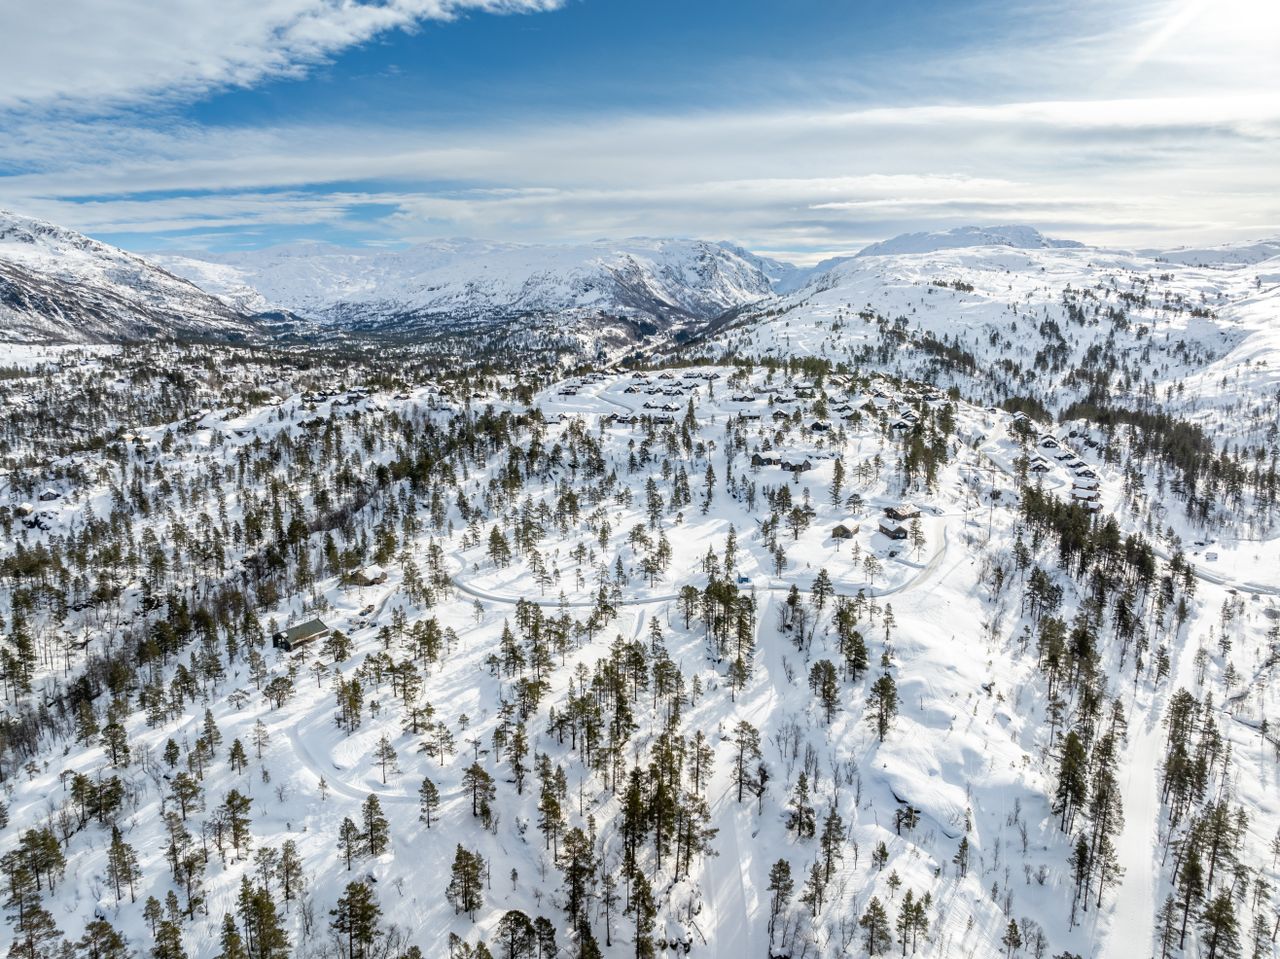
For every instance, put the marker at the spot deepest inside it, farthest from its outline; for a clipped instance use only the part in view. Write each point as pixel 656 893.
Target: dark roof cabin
pixel 892 529
pixel 295 637
pixel 844 530
pixel 369 576
pixel 903 511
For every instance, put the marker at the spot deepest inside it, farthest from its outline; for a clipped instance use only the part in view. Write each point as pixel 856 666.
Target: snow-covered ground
pixel 969 751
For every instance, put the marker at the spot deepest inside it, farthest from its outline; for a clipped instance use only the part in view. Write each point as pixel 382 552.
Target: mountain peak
pixel 961 237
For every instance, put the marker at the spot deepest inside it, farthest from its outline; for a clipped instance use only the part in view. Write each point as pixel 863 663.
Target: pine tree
pixel 232 946
pixel 781 887
pixel 115 743
pixel 376 832
pixel 1190 886
pixel 1012 938
pixel 265 936
pixel 235 811
pixel 801 818
pixel 961 858
pixel 1073 783
pixel 701 756
pixel 515 935
pixel 385 753
pixel 168 944
pixel 499 550
pixel 101 941
pixel 122 864
pixel 812 895
pixel 579 872
pixel 237 757
pixel 877 933
pixel 289 870
pixel 519 751
pixel 746 739
pixel 831 842
pixel 825 685
pixel 546 933
pixel 35 935
pixel 355 919
pixel 152 912
pixel 837 480
pixel 186 792
pixel 907 920
pixel 480 784
pixel 1167 927
pixel 1220 934
pixel 465 883
pixel 350 841
pixel 428 801
pixel 882 705
pixel 643 911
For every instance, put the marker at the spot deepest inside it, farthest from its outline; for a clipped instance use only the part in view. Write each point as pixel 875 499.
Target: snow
pixel 970 746
pixel 1018 237
pixel 63 286
pixel 469 276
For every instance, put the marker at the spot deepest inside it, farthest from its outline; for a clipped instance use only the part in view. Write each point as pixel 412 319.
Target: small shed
pixel 298 636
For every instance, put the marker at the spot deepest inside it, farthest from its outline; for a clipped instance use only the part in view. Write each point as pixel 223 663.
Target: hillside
pixel 60 286
pixel 1046 327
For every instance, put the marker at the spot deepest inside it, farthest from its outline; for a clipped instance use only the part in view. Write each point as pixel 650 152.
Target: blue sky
pixel 802 129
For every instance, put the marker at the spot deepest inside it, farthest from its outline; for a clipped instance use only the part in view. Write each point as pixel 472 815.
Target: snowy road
pixel 925 573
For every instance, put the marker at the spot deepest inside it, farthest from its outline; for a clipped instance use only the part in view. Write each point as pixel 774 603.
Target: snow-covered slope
pixel 58 285
pixel 1053 324
pixel 655 281
pixel 1017 237
pixel 1226 255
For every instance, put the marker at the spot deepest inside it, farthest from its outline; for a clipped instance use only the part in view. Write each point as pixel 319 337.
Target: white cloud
pixel 99 53
pixel 1127 149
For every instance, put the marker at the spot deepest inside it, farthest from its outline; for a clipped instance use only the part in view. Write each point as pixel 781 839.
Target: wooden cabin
pixel 369 576
pixel 893 529
pixel 902 512
pixel 295 637
pixel 846 529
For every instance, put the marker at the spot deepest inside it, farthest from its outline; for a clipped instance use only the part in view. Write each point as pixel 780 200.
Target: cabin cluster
pixel 1084 479
pixel 892 524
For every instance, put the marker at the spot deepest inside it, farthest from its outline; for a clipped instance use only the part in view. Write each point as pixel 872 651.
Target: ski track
pixel 308 760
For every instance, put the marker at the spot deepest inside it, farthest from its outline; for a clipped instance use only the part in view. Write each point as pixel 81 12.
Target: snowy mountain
pixel 1051 325
pixel 1225 255
pixel 649 284
pixel 58 285
pixel 1017 237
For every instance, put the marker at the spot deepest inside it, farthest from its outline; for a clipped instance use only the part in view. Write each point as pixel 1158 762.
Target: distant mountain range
pixel 58 285
pixel 652 284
